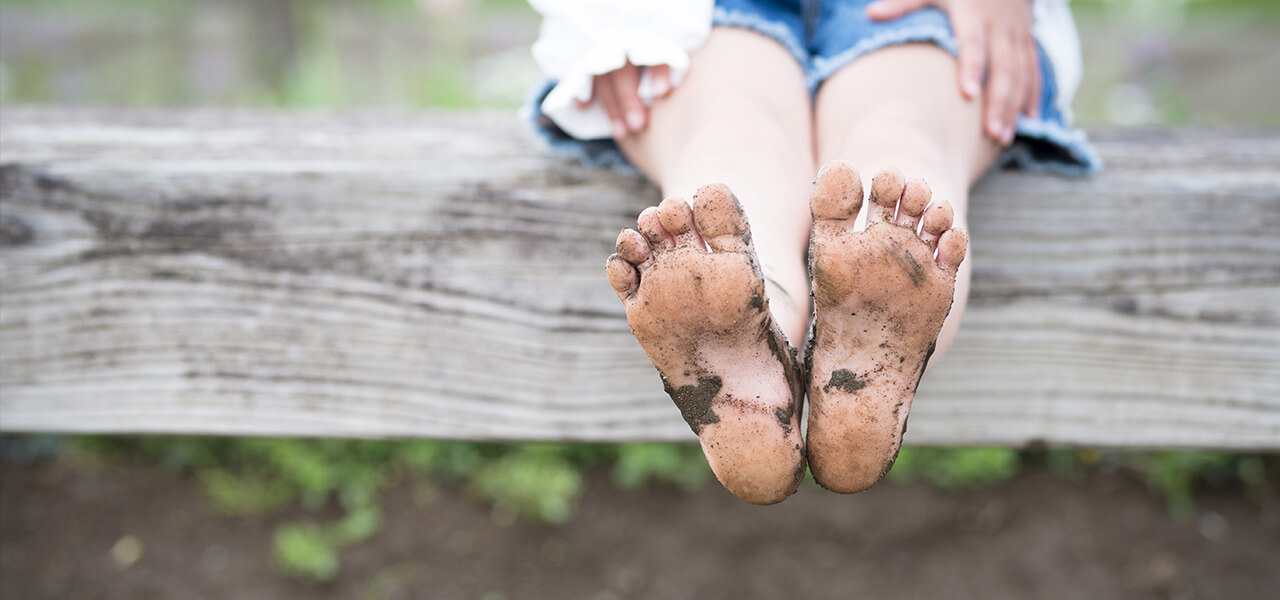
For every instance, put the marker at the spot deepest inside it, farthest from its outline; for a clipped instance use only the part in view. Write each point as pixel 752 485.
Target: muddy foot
pixel 880 298
pixel 695 300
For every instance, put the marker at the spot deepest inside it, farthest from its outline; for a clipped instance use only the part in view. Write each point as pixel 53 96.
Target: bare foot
pixel 696 302
pixel 880 298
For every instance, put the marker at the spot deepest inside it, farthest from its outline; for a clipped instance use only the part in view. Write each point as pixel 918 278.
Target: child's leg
pixel 881 296
pixel 901 108
pixel 742 117
pixel 696 299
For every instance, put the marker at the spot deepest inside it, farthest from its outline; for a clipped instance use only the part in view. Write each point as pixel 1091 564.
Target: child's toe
pixel 650 224
pixel 677 218
pixel 937 219
pixel 622 275
pixel 633 248
pixel 837 192
pixel 886 191
pixel 915 197
pixel 720 220
pixel 952 247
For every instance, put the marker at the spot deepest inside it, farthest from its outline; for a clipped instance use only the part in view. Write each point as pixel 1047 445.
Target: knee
pixel 887 142
pixel 743 129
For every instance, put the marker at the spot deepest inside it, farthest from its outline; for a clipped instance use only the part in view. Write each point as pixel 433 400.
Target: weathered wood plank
pixel 435 275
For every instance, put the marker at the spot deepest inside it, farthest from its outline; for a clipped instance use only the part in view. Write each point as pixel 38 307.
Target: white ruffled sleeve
pixel 580 39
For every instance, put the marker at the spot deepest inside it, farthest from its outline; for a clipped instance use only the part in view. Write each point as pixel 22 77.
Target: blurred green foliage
pixel 955 467
pixel 271 53
pixel 540 482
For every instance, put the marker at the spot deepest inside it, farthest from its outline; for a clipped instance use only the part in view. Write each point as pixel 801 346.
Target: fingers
pixel 603 89
pixel 626 85
pixel 661 77
pixel 619 95
pixel 1005 93
pixel 617 91
pixel 885 10
pixel 971 42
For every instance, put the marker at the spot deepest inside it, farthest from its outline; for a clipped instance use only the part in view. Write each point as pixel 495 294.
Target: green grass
pixel 535 482
pixel 541 482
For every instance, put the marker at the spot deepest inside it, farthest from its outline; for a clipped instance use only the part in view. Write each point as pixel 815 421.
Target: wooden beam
pixel 434 274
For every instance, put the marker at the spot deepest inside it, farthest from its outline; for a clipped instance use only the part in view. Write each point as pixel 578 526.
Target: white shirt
pixel 580 39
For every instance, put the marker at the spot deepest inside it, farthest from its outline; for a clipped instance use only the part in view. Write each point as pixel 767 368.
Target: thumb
pixel 885 10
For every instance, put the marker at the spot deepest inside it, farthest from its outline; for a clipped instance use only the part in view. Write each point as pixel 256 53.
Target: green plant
pixel 1176 474
pixel 246 492
pixel 681 464
pixel 535 481
pixel 541 482
pixel 305 550
pixel 955 467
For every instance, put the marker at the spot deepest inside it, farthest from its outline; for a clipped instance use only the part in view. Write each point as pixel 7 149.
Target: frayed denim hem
pixel 822 68
pixel 600 153
pixel 771 29
pixel 1047 147
pixel 1041 146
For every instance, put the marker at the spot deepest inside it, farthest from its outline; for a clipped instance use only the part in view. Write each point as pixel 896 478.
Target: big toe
pixel 720 220
pixel 837 192
pixel 855 472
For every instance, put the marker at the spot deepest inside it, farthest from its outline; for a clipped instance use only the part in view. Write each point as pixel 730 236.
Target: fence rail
pixel 433 274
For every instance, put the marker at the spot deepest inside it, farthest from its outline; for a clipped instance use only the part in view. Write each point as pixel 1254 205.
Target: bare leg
pixel 742 117
pixel 708 296
pixel 900 108
pixel 881 296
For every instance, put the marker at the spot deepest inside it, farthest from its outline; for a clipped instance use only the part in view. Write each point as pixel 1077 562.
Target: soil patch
pixel 1037 536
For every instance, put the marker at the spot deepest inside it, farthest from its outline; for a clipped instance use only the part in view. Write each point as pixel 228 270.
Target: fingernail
pixel 1008 134
pixel 996 127
pixel 661 87
pixel 619 130
pixel 971 88
pixel 635 120
pixel 874 6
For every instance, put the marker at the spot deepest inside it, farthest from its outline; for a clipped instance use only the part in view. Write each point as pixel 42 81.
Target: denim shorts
pixel 824 37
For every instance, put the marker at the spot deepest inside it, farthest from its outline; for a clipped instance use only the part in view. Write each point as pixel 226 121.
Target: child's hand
pixel 995 36
pixel 617 92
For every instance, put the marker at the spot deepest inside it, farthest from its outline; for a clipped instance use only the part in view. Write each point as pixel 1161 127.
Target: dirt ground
pixel 1037 536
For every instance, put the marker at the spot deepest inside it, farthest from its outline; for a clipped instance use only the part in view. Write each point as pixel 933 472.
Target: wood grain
pixel 391 275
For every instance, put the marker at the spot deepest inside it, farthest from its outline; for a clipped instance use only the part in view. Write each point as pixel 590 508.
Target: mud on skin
pixel 695 300
pixel 880 299
pixel 844 379
pixel 694 401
